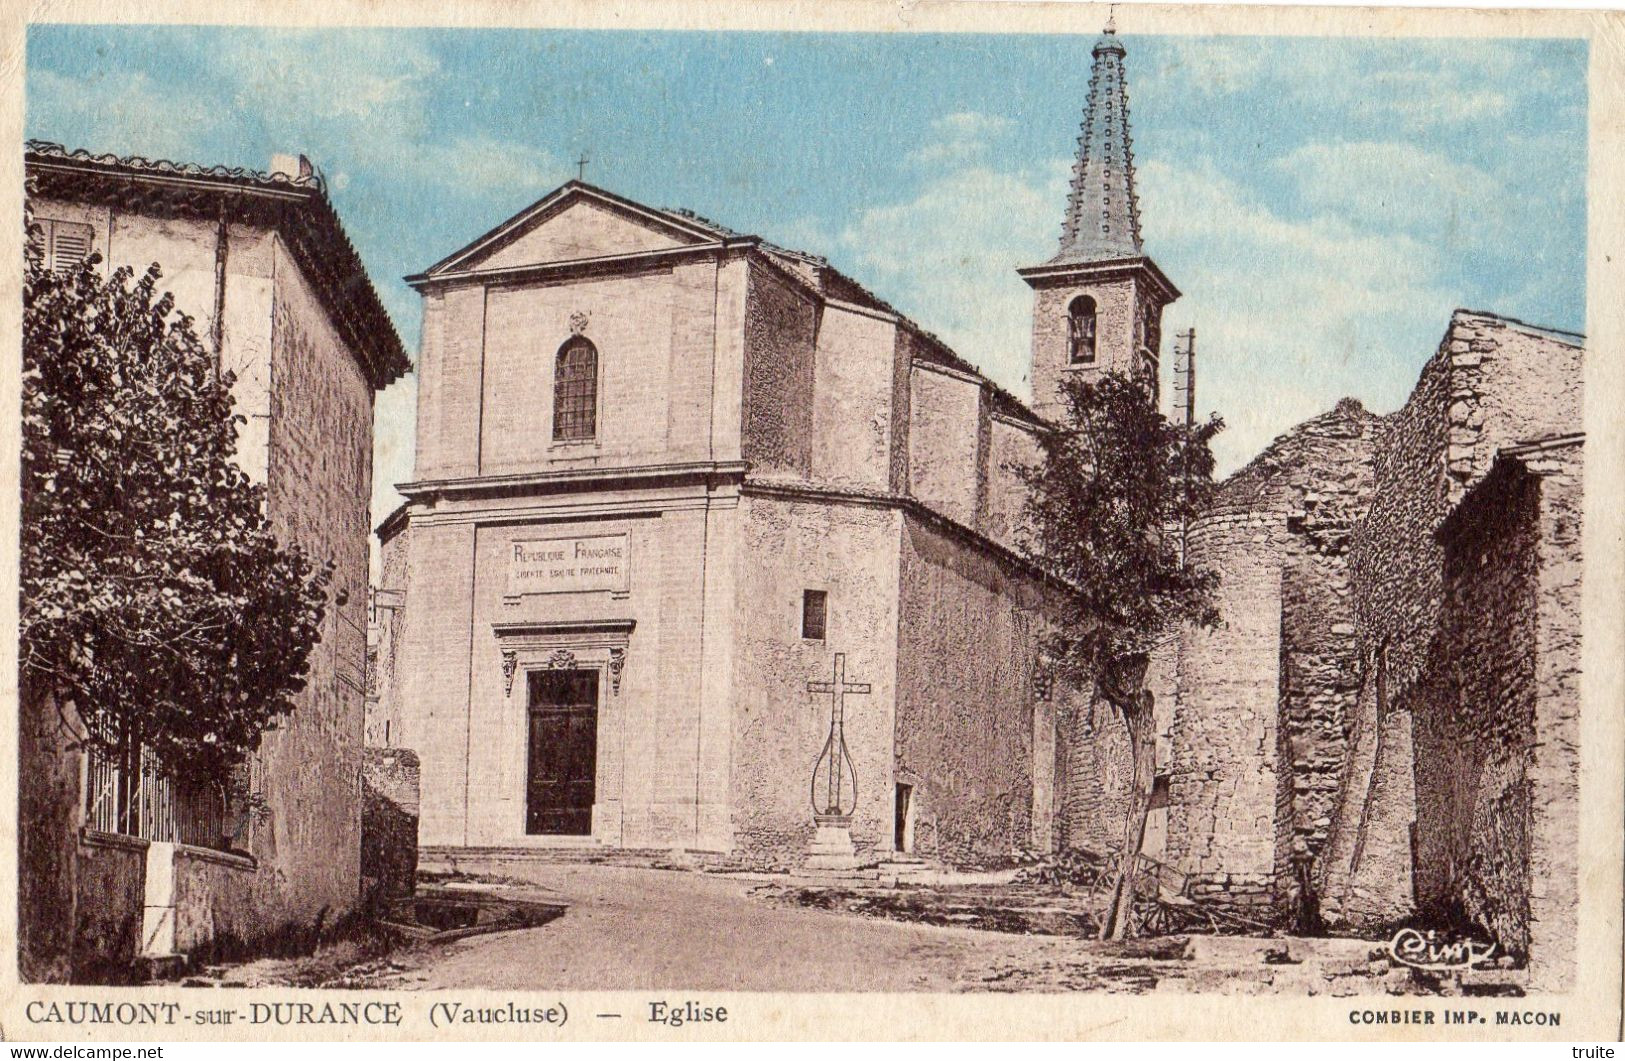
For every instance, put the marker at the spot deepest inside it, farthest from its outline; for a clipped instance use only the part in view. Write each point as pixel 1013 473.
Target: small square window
pixel 814 610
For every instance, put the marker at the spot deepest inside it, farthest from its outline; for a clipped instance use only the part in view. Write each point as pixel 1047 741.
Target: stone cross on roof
pixel 1102 212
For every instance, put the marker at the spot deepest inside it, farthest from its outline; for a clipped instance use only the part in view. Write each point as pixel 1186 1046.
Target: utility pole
pixel 1185 389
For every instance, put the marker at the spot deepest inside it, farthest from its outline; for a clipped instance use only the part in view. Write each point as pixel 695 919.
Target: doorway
pixel 563 752
pixel 903 827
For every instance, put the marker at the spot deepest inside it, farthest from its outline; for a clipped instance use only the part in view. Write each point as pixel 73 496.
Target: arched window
pixel 575 392
pixel 1080 318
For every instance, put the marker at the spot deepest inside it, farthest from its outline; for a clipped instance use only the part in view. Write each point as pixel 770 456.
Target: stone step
pixel 152 968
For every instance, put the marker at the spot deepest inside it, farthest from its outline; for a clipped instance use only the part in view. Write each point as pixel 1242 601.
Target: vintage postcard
pixel 869 521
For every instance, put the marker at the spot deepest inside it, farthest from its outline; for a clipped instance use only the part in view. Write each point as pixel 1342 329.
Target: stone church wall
pixel 435 658
pixel 781 325
pixel 857 425
pixel 849 551
pixel 974 739
pixel 1013 445
pixel 947 442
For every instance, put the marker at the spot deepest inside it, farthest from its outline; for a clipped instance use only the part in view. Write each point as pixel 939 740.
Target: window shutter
pixel 70 245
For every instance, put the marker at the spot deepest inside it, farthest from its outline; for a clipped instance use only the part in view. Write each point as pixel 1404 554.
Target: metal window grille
pixel 575 392
pixel 130 793
pixel 1081 330
pixel 814 612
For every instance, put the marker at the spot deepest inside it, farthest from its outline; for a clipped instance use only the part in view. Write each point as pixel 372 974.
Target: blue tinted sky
pixel 1322 203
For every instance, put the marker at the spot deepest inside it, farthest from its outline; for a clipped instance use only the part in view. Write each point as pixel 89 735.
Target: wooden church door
pixel 563 708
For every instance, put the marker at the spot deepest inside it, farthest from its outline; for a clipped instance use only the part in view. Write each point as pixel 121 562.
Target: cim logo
pixel 1426 950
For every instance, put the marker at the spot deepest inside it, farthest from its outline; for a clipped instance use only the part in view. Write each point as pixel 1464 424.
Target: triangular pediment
pixel 575 223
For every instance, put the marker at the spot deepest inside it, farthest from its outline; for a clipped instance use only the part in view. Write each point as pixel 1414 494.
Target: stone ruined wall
pixel 320 487
pixel 1322 483
pixel 1222 775
pixel 1475 740
pixel 1497 756
pixel 1493 382
pixel 968 653
pixel 1554 773
pixel 1280 670
pixel 781 330
pixel 850 552
pixel 389 823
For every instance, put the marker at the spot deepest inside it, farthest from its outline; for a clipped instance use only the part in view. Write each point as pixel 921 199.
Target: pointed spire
pixel 1102 212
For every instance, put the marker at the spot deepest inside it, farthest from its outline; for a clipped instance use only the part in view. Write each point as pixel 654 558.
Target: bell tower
pixel 1097 305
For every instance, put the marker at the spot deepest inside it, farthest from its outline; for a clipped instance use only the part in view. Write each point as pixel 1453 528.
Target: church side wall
pixel 435 659
pixel 947 443
pixel 449 389
pixel 968 649
pixel 781 328
pixel 855 422
pixel 850 552
pixel 1013 445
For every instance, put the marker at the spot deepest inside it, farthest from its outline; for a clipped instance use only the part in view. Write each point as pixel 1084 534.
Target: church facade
pixel 706 541
pixel 667 475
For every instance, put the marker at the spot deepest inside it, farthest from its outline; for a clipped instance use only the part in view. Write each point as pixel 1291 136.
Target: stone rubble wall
pixel 1497 752
pixel 1492 383
pixel 1345 627
pixel 389 823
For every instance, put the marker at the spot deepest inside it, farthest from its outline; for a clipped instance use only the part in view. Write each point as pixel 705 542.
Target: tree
pixel 1106 513
pixel 155 596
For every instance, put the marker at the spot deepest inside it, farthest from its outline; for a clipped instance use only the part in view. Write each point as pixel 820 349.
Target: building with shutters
pixel 117 867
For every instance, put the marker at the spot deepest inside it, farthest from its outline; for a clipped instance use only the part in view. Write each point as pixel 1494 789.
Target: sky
pixel 1322 203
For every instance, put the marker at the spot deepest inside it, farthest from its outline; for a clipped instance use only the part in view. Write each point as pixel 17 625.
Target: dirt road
pixel 634 928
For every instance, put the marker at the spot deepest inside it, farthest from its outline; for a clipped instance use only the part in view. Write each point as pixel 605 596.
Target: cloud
pixel 947 256
pixel 118 111
pixel 315 77
pixel 1387 186
pixel 961 136
pixel 481 164
pixel 1303 310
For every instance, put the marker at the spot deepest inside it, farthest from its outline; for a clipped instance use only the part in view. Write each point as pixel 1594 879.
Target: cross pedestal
pixel 832 843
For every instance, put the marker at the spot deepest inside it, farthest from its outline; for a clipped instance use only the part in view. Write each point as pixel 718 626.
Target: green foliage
pixel 155 596
pixel 1105 513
